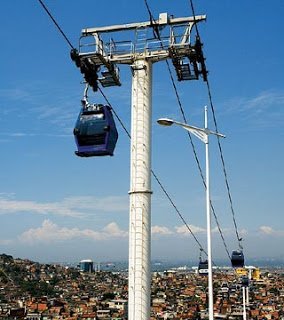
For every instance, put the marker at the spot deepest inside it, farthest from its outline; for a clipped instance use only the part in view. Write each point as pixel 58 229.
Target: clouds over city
pixel 50 232
pixel 72 207
pixel 83 206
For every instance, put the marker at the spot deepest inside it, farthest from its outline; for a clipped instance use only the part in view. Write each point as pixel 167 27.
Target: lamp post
pixel 244 304
pixel 203 135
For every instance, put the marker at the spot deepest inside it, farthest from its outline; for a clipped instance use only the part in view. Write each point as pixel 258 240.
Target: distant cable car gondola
pixel 203 264
pixel 203 267
pixel 237 259
pixel 95 131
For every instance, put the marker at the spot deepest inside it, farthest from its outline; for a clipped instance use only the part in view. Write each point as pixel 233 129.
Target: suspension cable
pixel 115 113
pixel 224 168
pixel 219 143
pixel 56 24
pixel 193 13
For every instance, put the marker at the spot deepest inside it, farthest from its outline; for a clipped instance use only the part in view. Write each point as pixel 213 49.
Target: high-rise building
pixel 86 265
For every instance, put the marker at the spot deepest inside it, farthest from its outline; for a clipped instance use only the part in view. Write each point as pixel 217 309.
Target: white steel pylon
pixel 140 193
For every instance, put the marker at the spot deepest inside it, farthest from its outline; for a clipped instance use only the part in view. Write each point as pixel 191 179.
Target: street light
pixel 203 135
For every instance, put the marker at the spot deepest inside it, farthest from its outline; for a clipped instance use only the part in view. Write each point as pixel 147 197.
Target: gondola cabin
pixel 95 131
pixel 203 268
pixel 237 259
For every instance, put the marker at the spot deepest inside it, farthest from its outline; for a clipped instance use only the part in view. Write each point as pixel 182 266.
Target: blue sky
pixel 55 206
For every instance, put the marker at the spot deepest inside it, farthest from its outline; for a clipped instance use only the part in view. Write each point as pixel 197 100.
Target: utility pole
pixel 172 40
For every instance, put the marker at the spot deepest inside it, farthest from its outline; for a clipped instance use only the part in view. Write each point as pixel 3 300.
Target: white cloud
pixel 50 232
pixel 270 231
pixel 183 230
pixel 161 230
pixel 243 232
pixel 14 206
pixel 73 206
pixel 113 230
pixel 266 230
pixel 106 204
pixel 14 94
pixel 264 100
pixel 263 110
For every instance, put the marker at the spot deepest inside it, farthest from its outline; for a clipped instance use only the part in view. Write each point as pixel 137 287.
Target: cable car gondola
pixel 203 267
pixel 237 259
pixel 95 131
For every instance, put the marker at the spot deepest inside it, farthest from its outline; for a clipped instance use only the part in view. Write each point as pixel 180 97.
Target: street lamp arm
pixel 200 133
pixel 217 134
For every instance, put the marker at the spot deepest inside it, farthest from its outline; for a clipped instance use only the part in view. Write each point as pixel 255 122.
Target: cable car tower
pixel 97 59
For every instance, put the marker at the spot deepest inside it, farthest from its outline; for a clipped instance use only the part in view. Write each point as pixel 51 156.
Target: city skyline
pixel 55 205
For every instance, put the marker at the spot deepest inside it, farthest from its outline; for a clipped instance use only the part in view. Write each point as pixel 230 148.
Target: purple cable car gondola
pixel 95 131
pixel 237 259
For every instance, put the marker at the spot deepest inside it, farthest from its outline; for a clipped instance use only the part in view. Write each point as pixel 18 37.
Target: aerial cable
pixel 56 24
pixel 218 139
pixel 114 112
pixel 189 135
pixel 178 212
pixel 193 13
pixel 154 26
pixel 224 168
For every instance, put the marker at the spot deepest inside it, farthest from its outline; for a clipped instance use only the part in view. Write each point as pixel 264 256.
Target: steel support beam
pixel 132 26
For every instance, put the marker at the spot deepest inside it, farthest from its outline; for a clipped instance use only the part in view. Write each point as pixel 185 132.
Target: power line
pixel 56 24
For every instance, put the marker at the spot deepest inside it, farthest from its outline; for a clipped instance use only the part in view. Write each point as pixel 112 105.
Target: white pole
pixel 139 282
pixel 208 215
pixel 247 295
pixel 244 304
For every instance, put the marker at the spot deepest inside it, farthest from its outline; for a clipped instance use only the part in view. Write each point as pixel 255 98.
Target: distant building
pixel 86 265
pixel 249 271
pixel 256 274
pixel 242 271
